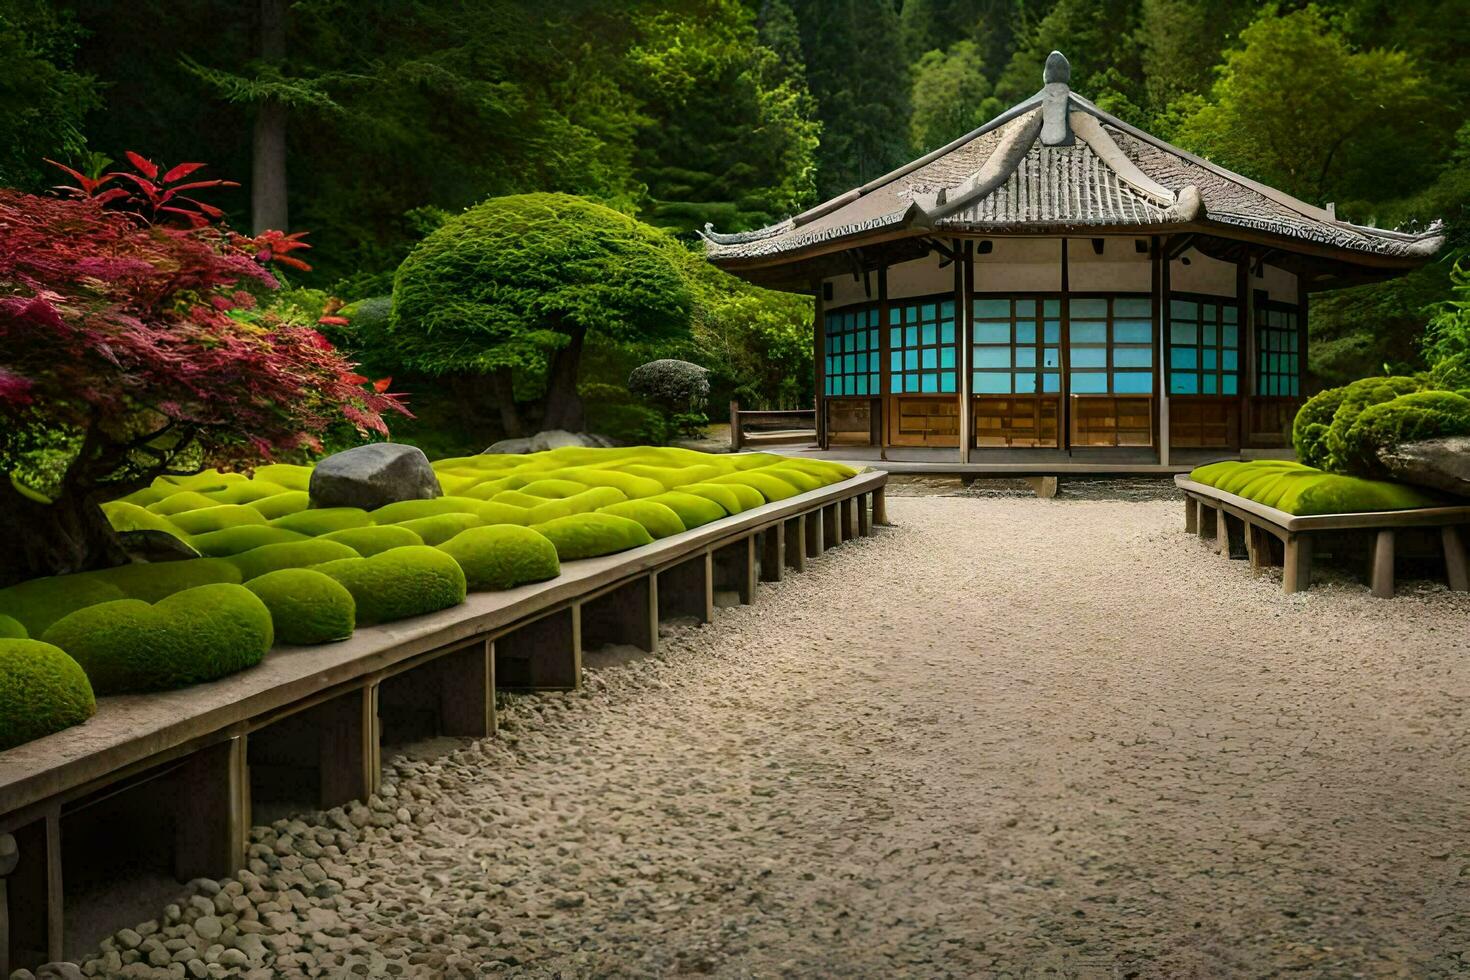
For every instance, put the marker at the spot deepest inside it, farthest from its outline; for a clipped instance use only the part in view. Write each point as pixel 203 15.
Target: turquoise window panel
pixel 1183 357
pixel 895 337
pixel 993 309
pixel 1228 385
pixel 1133 382
pixel 1129 357
pixel 1133 332
pixel 1207 384
pixel 1208 358
pixel 895 361
pixel 930 384
pixel 1089 383
pixel 1184 383
pixel 946 382
pixel 1089 333
pixel 1207 336
pixel 1089 309
pixel 1230 336
pixel 849 364
pixel 946 310
pixel 1051 357
pixel 1183 333
pixel 946 357
pixel 1230 360
pixel 1025 382
pixel 1229 314
pixel 911 314
pixel 1183 309
pixel 1051 382
pixel 1052 334
pixel 911 337
pixel 929 335
pixel 1025 331
pixel 928 311
pixel 991 382
pixel 1025 308
pixel 992 357
pixel 1025 357
pixel 1051 307
pixel 1089 357
pixel 930 358
pixel 992 333
pixel 946 332
pixel 910 360
pixel 1133 306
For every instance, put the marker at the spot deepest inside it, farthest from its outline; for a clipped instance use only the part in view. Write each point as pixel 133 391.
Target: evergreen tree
pixel 951 96
pixel 43 100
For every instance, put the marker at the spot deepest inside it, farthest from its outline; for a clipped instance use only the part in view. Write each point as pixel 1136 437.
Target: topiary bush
pixel 12 629
pixel 233 540
pixel 400 582
pixel 288 554
pixel 590 535
pixel 369 541
pixel 306 606
pixel 42 691
pixel 657 519
pixel 1356 397
pixel 502 556
pixel 193 636
pixel 1407 418
pixel 678 386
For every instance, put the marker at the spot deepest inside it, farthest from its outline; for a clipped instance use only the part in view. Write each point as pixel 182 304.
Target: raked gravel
pixel 1006 737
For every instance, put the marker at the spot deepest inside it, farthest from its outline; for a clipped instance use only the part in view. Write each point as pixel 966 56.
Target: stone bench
pixel 1240 528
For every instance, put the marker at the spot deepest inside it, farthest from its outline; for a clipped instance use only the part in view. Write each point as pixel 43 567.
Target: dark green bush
pixel 306 606
pixel 400 582
pixel 42 690
pixel 1407 418
pixel 12 629
pixel 1356 397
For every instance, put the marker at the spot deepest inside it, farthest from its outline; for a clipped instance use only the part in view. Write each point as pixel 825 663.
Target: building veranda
pixel 1061 286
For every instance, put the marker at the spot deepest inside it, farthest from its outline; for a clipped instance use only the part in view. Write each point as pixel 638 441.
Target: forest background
pixel 368 123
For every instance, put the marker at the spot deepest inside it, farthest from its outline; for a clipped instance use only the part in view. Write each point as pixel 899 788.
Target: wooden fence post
pixel 735 437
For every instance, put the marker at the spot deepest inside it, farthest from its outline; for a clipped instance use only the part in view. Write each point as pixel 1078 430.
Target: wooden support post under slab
pixel 1454 558
pixel 543 655
pixel 832 525
pixel 1381 576
pixel 349 756
pixel 30 886
pixel 815 525
pixel 850 518
pixel 688 589
pixel 880 508
pixel 773 553
pixel 1191 515
pixel 1296 571
pixel 212 822
pixel 1258 545
pixel 466 682
pixel 736 569
pixel 627 614
pixel 865 514
pixel 793 529
pixel 1231 536
pixel 1208 519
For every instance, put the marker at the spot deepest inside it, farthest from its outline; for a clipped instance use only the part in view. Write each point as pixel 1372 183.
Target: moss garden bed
pixel 1304 491
pixel 272 569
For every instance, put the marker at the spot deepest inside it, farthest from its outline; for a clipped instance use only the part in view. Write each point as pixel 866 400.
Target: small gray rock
pixel 128 939
pixel 208 927
pixel 59 970
pixel 372 476
pixel 1441 464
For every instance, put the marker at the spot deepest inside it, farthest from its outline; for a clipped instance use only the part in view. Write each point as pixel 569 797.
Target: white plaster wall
pixel 1278 283
pixel 1020 265
pixel 921 277
pixel 1202 275
pixel 847 290
pixel 1120 269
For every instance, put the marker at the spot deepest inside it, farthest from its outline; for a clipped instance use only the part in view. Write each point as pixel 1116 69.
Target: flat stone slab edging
pixel 130 732
pixel 1211 511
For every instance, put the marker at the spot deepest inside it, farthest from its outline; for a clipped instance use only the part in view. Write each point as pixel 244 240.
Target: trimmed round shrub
pixel 441 527
pixel 693 510
pixel 1309 428
pixel 152 581
pixel 288 554
pixel 233 540
pixel 215 518
pixel 400 582
pixel 12 629
pixel 553 489
pixel 1356 397
pixel 590 535
pixel 368 541
pixel 193 636
pixel 671 383
pixel 179 502
pixel 323 520
pixel 732 499
pixel 306 606
pixel 657 519
pixel 130 517
pixel 502 556
pixel 281 504
pixel 42 691
pixel 42 601
pixel 1408 418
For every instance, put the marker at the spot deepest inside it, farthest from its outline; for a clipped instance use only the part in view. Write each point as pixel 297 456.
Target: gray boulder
pixel 1441 464
pixel 551 439
pixel 372 476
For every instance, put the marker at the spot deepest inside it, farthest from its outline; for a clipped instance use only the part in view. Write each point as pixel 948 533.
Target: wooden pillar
pixel 735 439
pixel 814 527
pixel 865 514
pixel 1301 333
pixel 688 589
pixel 1296 572
pixel 627 614
pixel 1064 393
pixel 1209 522
pixel 1245 345
pixel 736 569
pixel 819 359
pixel 1160 282
pixel 793 529
pixel 850 518
pixel 880 507
pixel 348 753
pixel 831 526
pixel 212 822
pixel 1454 558
pixel 885 363
pixel 773 553
pixel 466 681
pixel 1191 514
pixel 543 655
pixel 1231 536
pixel 31 907
pixel 964 285
pixel 1381 576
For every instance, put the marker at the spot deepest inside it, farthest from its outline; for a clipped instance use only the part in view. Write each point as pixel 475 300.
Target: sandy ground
pixel 1009 737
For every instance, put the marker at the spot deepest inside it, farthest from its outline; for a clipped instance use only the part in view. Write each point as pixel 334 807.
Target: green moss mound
pixel 196 635
pixel 245 493
pixel 179 502
pixel 1305 491
pixel 692 509
pixel 553 489
pixel 42 601
pixel 590 535
pixel 152 581
pixel 578 503
pixel 215 518
pixel 797 477
pixel 289 554
pixel 42 691
pixel 399 583
pixel 281 504
pixel 130 517
pixel 670 477
pixel 732 499
pixel 632 485
pixel 143 497
pixel 233 540
pixel 1407 418
pixel 12 629
pixel 659 520
pixel 1355 398
pixel 770 487
pixel 487 489
pixel 369 541
pixel 306 607
pixel 409 510
pixel 323 520
pixel 287 475
pixel 441 527
pixel 502 556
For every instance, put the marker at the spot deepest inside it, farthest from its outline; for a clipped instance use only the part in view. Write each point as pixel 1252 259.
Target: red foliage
pixel 274 246
pixel 148 195
pixel 142 337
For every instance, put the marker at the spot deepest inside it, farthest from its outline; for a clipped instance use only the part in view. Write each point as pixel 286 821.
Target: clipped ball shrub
pixel 589 535
pixel 281 504
pixel 1407 418
pixel 306 606
pixel 671 383
pixel 42 691
pixel 193 636
pixel 502 556
pixel 368 541
pixel 288 554
pixel 1355 398
pixel 693 510
pixel 323 520
pixel 206 519
pixel 233 540
pixel 657 519
pixel 12 629
pixel 400 582
pixel 441 527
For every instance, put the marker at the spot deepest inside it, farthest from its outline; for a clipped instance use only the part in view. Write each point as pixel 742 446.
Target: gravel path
pixel 1008 737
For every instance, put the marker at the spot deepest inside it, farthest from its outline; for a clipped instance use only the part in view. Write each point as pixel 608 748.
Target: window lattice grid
pixel 1278 357
pixel 922 348
pixel 1016 345
pixel 1204 347
pixel 853 353
pixel 1110 345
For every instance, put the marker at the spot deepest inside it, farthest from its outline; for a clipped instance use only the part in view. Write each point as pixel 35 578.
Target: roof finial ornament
pixel 1055 96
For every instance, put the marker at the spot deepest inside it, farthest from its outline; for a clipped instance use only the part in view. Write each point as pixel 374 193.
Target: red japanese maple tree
pixel 139 347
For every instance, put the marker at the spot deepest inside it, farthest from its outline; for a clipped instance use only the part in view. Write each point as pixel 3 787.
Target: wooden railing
pixel 773 427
